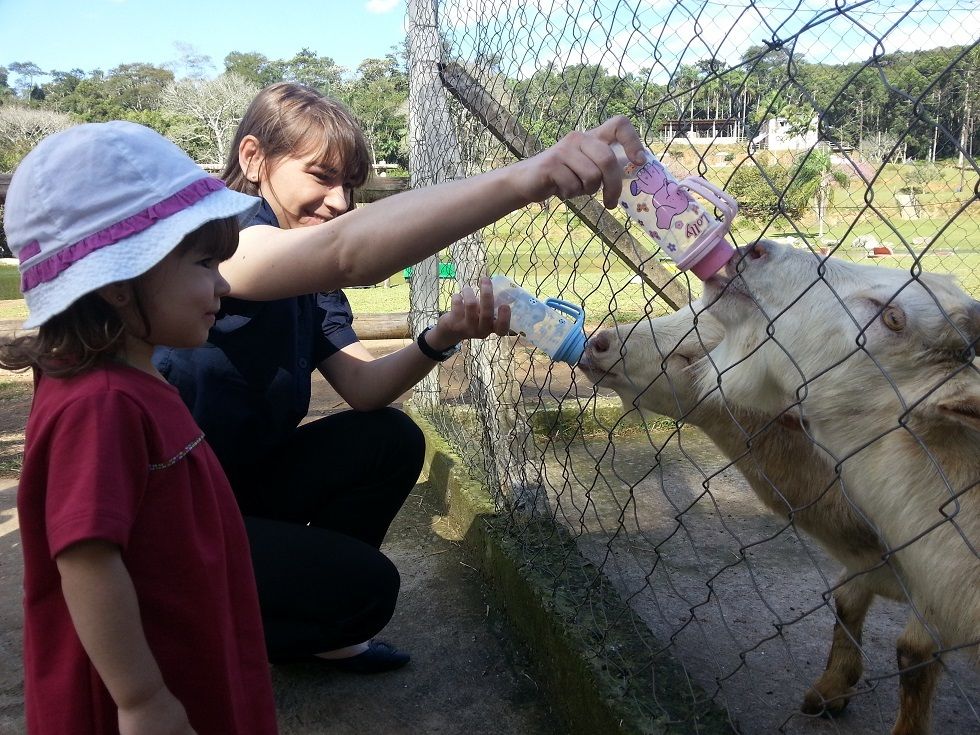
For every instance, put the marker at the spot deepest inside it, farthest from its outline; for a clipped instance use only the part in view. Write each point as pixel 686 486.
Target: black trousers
pixel 316 512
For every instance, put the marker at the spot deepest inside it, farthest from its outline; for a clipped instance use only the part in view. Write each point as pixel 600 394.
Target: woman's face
pixel 305 190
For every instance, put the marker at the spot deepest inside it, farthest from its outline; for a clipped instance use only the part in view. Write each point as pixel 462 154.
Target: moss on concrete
pixel 598 661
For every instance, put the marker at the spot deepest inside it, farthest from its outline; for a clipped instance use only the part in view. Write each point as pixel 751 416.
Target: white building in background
pixel 703 132
pixel 777 135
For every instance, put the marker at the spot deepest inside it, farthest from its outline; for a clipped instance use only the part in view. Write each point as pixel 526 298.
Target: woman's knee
pixel 401 431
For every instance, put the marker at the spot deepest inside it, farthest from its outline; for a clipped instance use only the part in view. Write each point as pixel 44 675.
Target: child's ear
pixel 250 158
pixel 116 294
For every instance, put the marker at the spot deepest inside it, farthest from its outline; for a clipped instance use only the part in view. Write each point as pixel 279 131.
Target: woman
pixel 318 498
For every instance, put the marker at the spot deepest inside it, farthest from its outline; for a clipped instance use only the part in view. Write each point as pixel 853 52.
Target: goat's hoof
pixel 815 703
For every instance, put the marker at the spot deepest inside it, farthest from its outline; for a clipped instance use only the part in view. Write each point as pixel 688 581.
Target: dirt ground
pixel 467 675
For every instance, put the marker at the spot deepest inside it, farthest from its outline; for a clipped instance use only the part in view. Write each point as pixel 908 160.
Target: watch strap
pixel 438 356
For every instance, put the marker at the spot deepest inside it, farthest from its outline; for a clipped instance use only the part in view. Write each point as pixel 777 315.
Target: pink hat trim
pixel 48 270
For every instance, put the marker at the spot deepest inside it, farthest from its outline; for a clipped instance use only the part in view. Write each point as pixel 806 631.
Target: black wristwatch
pixel 434 354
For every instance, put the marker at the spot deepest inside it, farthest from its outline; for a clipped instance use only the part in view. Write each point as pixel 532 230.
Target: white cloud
pixel 380 7
pixel 665 34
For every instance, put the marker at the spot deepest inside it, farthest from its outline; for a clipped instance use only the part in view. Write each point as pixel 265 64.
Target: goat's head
pixel 839 334
pixel 649 363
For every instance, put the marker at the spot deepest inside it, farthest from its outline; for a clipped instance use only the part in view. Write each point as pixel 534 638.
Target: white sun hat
pixel 104 202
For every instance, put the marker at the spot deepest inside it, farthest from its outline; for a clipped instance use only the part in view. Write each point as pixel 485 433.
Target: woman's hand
pixel 470 315
pixel 580 163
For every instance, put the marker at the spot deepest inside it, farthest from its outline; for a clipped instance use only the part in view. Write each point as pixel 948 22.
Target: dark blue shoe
pixel 379 656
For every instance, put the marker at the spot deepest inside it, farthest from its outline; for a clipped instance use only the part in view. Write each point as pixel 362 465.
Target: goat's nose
pixel 600 342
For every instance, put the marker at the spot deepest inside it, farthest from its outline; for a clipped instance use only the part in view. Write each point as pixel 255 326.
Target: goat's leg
pixel 832 691
pixel 919 671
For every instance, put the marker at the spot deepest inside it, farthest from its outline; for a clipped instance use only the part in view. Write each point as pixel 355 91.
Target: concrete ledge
pixel 604 678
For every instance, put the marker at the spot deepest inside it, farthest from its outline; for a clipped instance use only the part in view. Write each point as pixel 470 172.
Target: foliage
pixel 891 107
pixel 813 179
pixel 5 91
pixel 319 72
pixel 377 99
pixel 757 187
pixel 254 67
pixel 206 113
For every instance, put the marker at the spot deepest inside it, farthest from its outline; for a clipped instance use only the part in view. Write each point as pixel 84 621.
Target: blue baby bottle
pixel 552 325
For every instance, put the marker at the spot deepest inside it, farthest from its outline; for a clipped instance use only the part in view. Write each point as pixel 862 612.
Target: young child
pixel 141 614
pixel 318 498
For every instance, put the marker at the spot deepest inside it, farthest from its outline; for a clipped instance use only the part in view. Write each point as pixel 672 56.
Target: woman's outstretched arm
pixel 369 244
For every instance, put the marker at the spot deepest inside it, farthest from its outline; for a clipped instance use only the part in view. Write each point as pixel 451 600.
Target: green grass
pixel 552 253
pixel 9 282
pixel 14 389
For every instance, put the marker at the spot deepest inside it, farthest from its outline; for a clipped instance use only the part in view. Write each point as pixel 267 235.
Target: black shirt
pixel 248 387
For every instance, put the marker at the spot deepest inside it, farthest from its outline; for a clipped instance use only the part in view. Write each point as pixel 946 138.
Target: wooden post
pixel 522 144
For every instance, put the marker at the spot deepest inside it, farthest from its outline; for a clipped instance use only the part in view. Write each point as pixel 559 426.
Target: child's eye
pixel 209 262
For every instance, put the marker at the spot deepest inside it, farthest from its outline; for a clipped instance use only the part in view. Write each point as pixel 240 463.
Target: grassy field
pixel 579 268
pixel 9 282
pixel 550 252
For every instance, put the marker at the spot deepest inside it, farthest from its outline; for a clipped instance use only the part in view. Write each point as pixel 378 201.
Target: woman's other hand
pixel 471 315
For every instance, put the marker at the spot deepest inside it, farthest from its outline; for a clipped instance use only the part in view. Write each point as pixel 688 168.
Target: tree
pixel 22 127
pixel 138 86
pixel 376 97
pixel 5 90
pixel 254 67
pixel 813 180
pixel 319 72
pixel 207 113
pixel 28 71
pixel 758 187
pixel 87 97
pixel 195 64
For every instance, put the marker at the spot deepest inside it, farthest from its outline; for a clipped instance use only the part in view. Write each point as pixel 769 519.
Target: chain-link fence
pixel 749 506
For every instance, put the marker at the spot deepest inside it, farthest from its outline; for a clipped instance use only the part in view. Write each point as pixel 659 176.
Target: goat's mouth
pixel 594 372
pixel 724 287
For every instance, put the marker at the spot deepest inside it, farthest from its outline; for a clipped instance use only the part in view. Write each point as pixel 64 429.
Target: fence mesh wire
pixel 844 129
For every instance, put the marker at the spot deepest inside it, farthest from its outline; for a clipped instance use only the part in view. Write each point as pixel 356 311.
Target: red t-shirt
pixel 114 454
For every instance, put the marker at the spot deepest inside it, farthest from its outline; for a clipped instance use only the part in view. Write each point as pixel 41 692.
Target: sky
pixel 102 34
pixel 627 37
pixel 529 34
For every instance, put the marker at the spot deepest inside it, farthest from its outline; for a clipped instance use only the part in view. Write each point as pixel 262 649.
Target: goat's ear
pixel 963 408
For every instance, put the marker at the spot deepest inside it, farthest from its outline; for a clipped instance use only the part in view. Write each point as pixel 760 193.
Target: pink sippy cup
pixel 665 209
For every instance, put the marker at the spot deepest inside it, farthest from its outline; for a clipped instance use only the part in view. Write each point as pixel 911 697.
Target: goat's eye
pixel 893 318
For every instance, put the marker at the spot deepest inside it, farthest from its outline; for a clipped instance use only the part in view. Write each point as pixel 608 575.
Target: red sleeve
pixel 98 470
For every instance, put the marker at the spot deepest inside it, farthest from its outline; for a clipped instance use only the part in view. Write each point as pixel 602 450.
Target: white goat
pixel 656 365
pixel 880 363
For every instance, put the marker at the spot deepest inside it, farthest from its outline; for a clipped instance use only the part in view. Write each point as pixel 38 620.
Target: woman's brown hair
pixel 89 332
pixel 289 119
